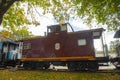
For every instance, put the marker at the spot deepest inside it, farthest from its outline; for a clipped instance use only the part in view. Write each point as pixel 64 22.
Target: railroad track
pixel 112 71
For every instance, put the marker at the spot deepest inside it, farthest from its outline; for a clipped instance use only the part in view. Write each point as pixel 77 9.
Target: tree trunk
pixel 4 6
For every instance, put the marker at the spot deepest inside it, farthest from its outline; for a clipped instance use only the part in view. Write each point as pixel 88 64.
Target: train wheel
pixel 118 68
pixel 25 65
pixel 82 66
pixel 46 66
pixel 117 65
pixel 71 66
pixel 33 66
pixel 93 66
pixel 29 65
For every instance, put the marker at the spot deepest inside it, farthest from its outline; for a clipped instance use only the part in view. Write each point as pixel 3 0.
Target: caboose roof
pixel 97 33
pixel 10 41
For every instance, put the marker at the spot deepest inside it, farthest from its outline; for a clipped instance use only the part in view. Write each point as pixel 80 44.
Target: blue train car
pixel 9 53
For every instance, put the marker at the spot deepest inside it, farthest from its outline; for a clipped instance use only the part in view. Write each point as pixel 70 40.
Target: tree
pixel 18 34
pixel 102 11
pixel 21 33
pixel 4 6
pixel 14 21
pixel 115 46
pixel 5 33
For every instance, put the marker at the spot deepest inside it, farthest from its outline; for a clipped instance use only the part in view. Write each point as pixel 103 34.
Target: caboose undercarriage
pixel 86 64
pixel 71 65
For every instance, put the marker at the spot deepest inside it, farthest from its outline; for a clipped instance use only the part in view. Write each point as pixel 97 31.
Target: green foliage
pixel 14 17
pixel 113 45
pixel 5 34
pixel 102 11
pixel 21 33
pixel 56 7
pixel 15 21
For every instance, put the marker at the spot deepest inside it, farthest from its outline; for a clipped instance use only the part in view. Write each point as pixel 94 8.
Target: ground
pixel 55 75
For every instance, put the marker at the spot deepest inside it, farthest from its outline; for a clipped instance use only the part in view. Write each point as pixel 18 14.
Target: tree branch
pixel 4 6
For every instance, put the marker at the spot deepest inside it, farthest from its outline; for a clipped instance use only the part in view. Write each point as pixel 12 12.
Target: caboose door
pixel 55 43
pixel 59 44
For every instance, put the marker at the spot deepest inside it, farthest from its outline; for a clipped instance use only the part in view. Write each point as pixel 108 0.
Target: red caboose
pixel 61 46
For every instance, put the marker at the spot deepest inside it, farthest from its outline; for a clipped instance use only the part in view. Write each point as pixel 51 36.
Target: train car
pixel 9 53
pixel 62 47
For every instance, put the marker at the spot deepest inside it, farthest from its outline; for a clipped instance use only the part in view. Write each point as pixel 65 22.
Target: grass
pixel 48 75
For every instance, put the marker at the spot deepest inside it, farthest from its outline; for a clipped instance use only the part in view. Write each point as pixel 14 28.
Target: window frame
pixel 82 42
pixel 27 46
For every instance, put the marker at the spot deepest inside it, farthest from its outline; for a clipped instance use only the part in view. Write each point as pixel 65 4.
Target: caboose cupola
pixel 59 28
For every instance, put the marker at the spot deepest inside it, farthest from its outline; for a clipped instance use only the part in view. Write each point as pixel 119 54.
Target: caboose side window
pixel 81 42
pixel 64 27
pixel 27 46
pixel 96 33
